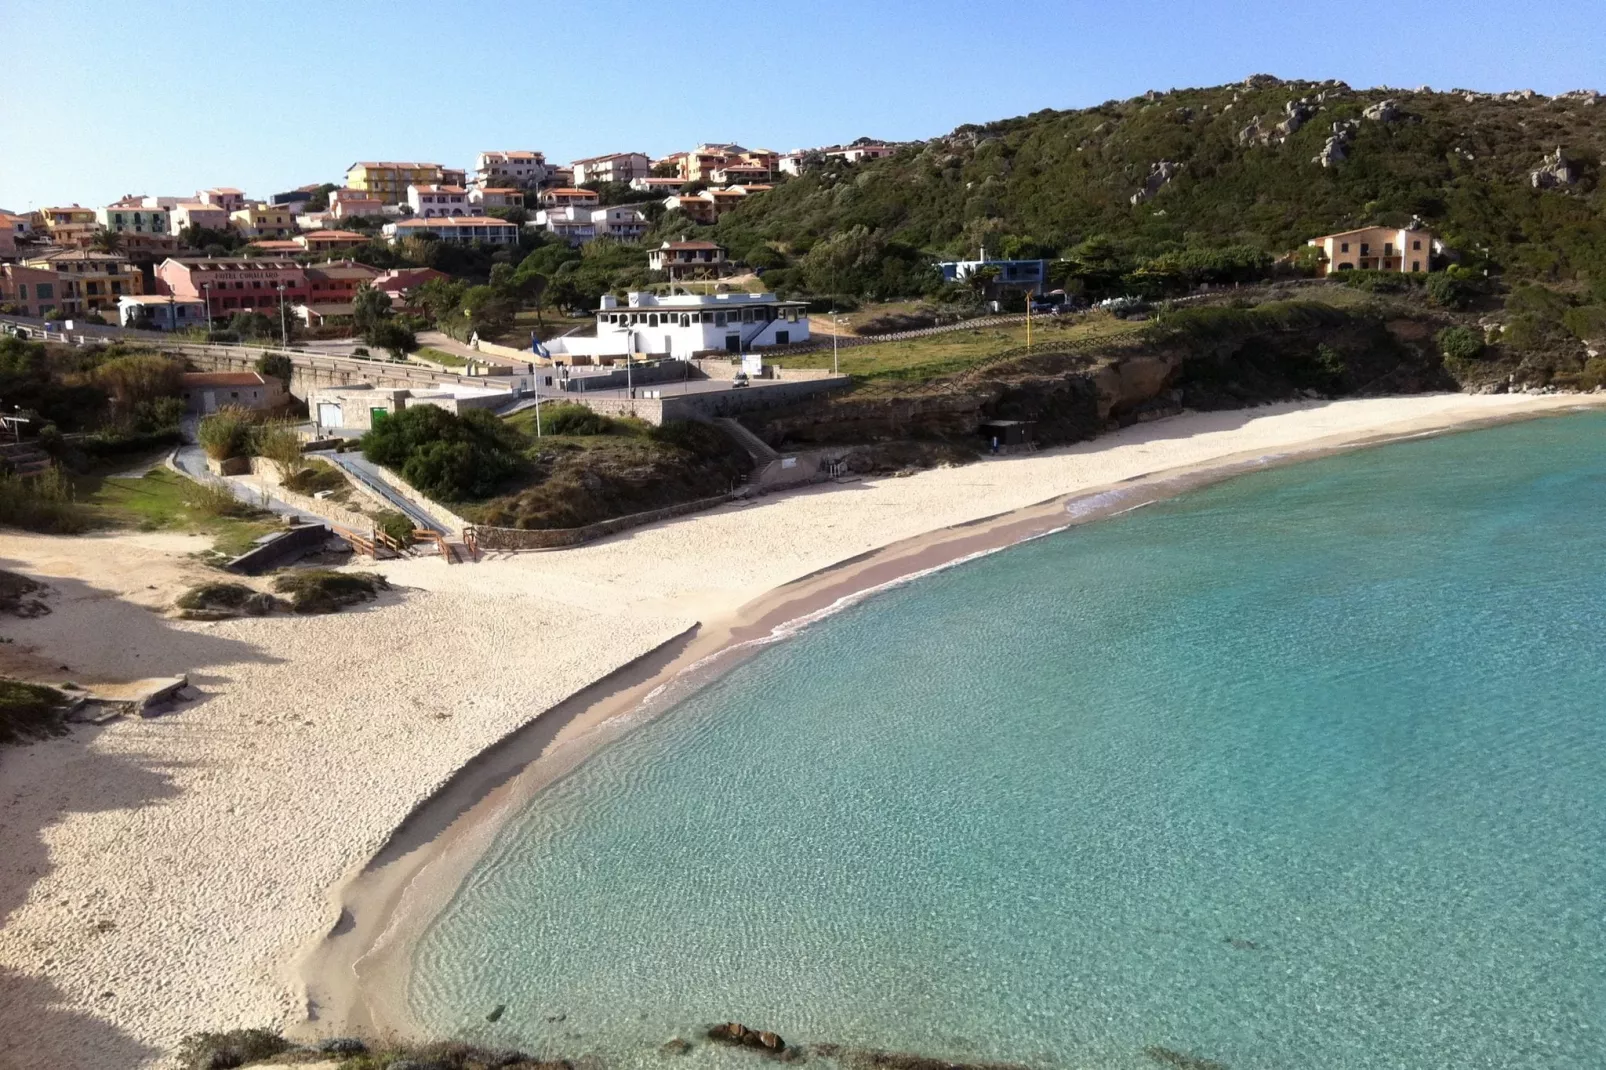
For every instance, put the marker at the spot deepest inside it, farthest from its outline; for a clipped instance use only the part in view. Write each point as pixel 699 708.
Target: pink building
pixel 225 197
pixel 233 284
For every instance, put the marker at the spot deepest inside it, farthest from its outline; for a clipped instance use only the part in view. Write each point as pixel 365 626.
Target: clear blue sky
pixel 98 99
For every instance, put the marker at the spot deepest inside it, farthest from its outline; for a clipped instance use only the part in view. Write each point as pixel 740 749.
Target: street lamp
pixel 284 324
pixel 206 295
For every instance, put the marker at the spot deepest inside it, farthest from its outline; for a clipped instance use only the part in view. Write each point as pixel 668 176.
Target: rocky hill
pixel 1509 180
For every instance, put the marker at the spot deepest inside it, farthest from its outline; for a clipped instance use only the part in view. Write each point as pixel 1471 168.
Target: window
pixel 1417 244
pixel 782 337
pixel 22 291
pixel 1366 248
pixel 1388 248
pixel 117 287
pixel 719 319
pixel 1416 265
pixel 92 288
pixel 45 291
pixel 1343 247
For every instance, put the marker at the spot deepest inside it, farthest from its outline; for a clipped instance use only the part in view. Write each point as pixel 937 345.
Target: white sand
pixel 159 875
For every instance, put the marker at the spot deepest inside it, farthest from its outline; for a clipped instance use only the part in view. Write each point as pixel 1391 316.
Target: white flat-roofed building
pixel 457 230
pixel 515 167
pixel 684 325
pixel 619 221
pixel 572 222
pixel 613 167
pixel 428 201
pixel 496 197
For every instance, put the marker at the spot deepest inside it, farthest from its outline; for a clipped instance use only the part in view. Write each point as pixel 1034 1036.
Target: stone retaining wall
pixel 558 538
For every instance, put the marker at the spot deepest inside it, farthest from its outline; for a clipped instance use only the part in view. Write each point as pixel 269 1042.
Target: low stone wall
pixel 443 516
pixel 558 538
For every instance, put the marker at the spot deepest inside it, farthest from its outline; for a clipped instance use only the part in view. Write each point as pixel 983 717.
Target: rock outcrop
pixel 1554 172
pixel 1384 111
pixel 1336 150
pixel 1159 174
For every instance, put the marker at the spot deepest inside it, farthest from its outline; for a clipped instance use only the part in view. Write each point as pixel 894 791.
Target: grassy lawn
pixel 163 500
pixel 440 356
pixel 955 351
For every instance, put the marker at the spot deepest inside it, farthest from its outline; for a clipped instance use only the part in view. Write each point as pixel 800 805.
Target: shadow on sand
pixel 42 783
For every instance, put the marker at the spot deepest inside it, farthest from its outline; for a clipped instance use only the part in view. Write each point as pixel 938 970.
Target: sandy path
pixel 159 875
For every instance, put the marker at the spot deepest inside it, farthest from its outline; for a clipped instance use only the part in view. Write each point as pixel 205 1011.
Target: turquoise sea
pixel 1303 769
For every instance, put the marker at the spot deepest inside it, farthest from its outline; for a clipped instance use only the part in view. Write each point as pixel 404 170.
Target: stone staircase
pixel 24 459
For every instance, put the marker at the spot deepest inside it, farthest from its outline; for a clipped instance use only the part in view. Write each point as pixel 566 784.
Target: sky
pixel 100 99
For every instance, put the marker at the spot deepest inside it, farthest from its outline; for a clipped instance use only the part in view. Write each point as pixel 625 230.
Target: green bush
pixel 1447 291
pixel 216 500
pixel 315 476
pixel 223 1051
pixel 1587 322
pixel 226 433
pixel 42 503
pixel 321 590
pixel 452 458
pixel 570 418
pixel 29 711
pixel 1460 343
pixel 396 525
pixel 280 444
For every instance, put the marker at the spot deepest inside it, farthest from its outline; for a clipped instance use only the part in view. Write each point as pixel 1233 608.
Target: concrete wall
pixel 709 404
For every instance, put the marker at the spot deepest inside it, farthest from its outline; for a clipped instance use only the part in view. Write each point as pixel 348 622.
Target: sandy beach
pixel 165 875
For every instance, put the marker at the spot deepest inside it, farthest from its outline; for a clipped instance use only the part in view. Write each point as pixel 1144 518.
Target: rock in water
pixel 496 1012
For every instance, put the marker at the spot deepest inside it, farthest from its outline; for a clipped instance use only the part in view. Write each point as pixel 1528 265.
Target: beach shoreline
pixel 194 872
pixel 356 975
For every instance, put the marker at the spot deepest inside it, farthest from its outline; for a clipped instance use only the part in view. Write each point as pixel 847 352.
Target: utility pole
pixel 206 295
pixel 284 323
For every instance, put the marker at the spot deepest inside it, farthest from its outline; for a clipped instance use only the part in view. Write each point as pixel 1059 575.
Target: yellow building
pixel 69 226
pixel 89 282
pixel 387 181
pixel 263 221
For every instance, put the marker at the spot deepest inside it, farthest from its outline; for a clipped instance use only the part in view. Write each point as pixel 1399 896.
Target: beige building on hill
pixel 1408 250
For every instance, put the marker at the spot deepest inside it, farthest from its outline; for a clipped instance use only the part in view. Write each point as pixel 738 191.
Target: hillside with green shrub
pixel 1240 185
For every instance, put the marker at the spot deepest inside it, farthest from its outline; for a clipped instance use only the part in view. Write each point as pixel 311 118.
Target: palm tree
pixel 107 241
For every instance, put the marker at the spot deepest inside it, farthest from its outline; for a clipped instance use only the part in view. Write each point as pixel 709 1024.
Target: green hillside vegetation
pixel 1060 183
pixel 583 467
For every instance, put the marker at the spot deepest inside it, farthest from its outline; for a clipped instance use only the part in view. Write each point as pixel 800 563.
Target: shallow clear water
pixel 1304 769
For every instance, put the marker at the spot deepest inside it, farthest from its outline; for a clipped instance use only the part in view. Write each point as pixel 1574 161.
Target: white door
pixel 328 414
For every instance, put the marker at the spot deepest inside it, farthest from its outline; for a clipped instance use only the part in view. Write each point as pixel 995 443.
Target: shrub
pixel 217 500
pixel 29 711
pixel 223 599
pixel 42 503
pixel 571 418
pixel 1460 343
pixel 276 366
pixel 134 379
pixel 1587 323
pixel 226 433
pixel 396 525
pixel 315 476
pixel 1447 291
pixel 449 457
pixel 281 445
pixel 322 590
pixel 223 1051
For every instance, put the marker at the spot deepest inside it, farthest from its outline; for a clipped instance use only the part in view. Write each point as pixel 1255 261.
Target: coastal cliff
pixel 1229 355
